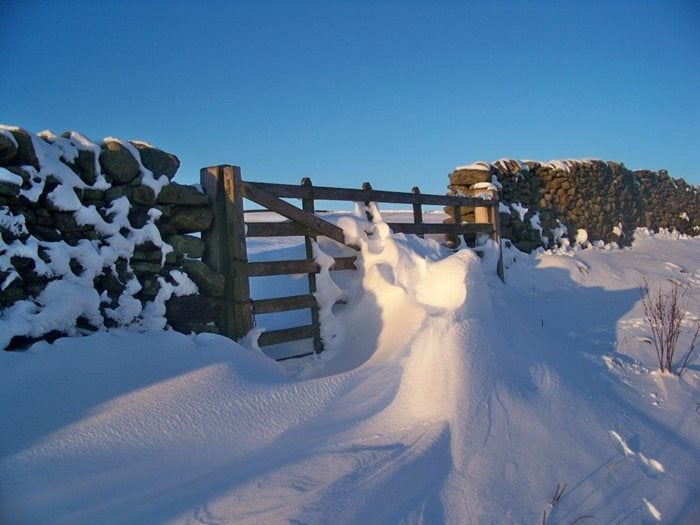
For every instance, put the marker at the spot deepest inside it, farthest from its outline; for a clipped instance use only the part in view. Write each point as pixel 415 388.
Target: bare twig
pixel 558 493
pixel 665 312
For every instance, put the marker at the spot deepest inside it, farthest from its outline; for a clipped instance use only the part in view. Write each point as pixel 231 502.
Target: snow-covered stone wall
pixel 96 235
pixel 541 201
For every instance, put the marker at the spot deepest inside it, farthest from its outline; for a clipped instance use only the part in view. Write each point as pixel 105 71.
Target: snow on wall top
pixel 505 164
pixel 67 270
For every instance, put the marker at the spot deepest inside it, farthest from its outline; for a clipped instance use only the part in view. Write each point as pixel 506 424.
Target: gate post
pixel 225 247
pixel 309 207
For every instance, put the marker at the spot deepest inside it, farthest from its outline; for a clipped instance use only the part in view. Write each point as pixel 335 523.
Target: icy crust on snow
pixel 69 295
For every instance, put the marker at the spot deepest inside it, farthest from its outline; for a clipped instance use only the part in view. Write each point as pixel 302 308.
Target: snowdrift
pixel 443 397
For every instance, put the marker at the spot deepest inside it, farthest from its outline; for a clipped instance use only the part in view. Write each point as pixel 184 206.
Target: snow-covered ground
pixel 444 397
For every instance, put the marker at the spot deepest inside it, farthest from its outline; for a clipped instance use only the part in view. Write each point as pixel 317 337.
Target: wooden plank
pixel 305 354
pixel 275 229
pixel 421 229
pixel 273 203
pixel 283 304
pixel 309 207
pixel 292 267
pixel 496 236
pixel 285 335
pixel 225 250
pixel 369 195
pixel 417 208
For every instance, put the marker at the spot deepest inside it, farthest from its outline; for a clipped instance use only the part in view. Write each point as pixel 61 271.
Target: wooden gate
pixel 226 250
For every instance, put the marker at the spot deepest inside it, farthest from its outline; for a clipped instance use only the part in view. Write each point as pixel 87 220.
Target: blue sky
pixel 395 93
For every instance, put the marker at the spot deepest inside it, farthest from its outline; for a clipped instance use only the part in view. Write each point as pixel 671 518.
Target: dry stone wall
pixel 94 236
pixel 541 202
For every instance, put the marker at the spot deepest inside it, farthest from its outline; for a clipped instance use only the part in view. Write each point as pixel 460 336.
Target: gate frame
pixel 226 252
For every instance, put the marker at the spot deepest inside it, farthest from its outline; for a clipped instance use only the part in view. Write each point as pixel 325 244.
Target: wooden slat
pixel 353 195
pixel 275 229
pixel 265 268
pixel 309 207
pixel 283 304
pixel 344 263
pixel 275 337
pixel 417 229
pixel 277 205
pixel 305 354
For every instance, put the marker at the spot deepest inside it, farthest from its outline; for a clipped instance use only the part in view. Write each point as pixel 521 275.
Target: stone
pixel 143 195
pixel 8 149
pixel 46 233
pixel 186 245
pixel 143 267
pixel 13 293
pixel 157 161
pixel 138 217
pixel 469 177
pixel 149 287
pixel 117 192
pixel 118 163
pixel 64 222
pixel 190 220
pixel 85 167
pixel 184 311
pixel 25 149
pixel 209 282
pixel 95 196
pixel 182 195
pixel 8 189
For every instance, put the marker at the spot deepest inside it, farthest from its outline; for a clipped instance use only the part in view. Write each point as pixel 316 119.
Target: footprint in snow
pixel 620 444
pixel 649 466
pixel 652 510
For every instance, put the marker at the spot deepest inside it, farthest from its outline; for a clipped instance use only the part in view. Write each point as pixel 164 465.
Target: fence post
pixel 308 206
pixel 496 236
pixel 366 186
pixel 225 247
pixel 417 209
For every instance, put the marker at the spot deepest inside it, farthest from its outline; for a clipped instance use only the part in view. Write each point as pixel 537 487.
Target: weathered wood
pixel 308 206
pixel 297 356
pixel 417 208
pixel 348 194
pixel 225 248
pixel 496 236
pixel 283 304
pixel 285 335
pixel 273 203
pixel 275 229
pixel 427 228
pixel 293 267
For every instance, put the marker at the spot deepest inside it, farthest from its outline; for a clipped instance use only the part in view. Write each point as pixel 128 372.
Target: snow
pixel 8 176
pixel 479 166
pixel 520 210
pixel 60 305
pixel 582 237
pixel 444 397
pixel 5 131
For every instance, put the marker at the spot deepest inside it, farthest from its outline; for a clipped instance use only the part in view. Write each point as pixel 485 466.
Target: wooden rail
pixel 226 250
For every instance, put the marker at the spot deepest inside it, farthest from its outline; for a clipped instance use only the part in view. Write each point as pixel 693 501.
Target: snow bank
pixel 445 397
